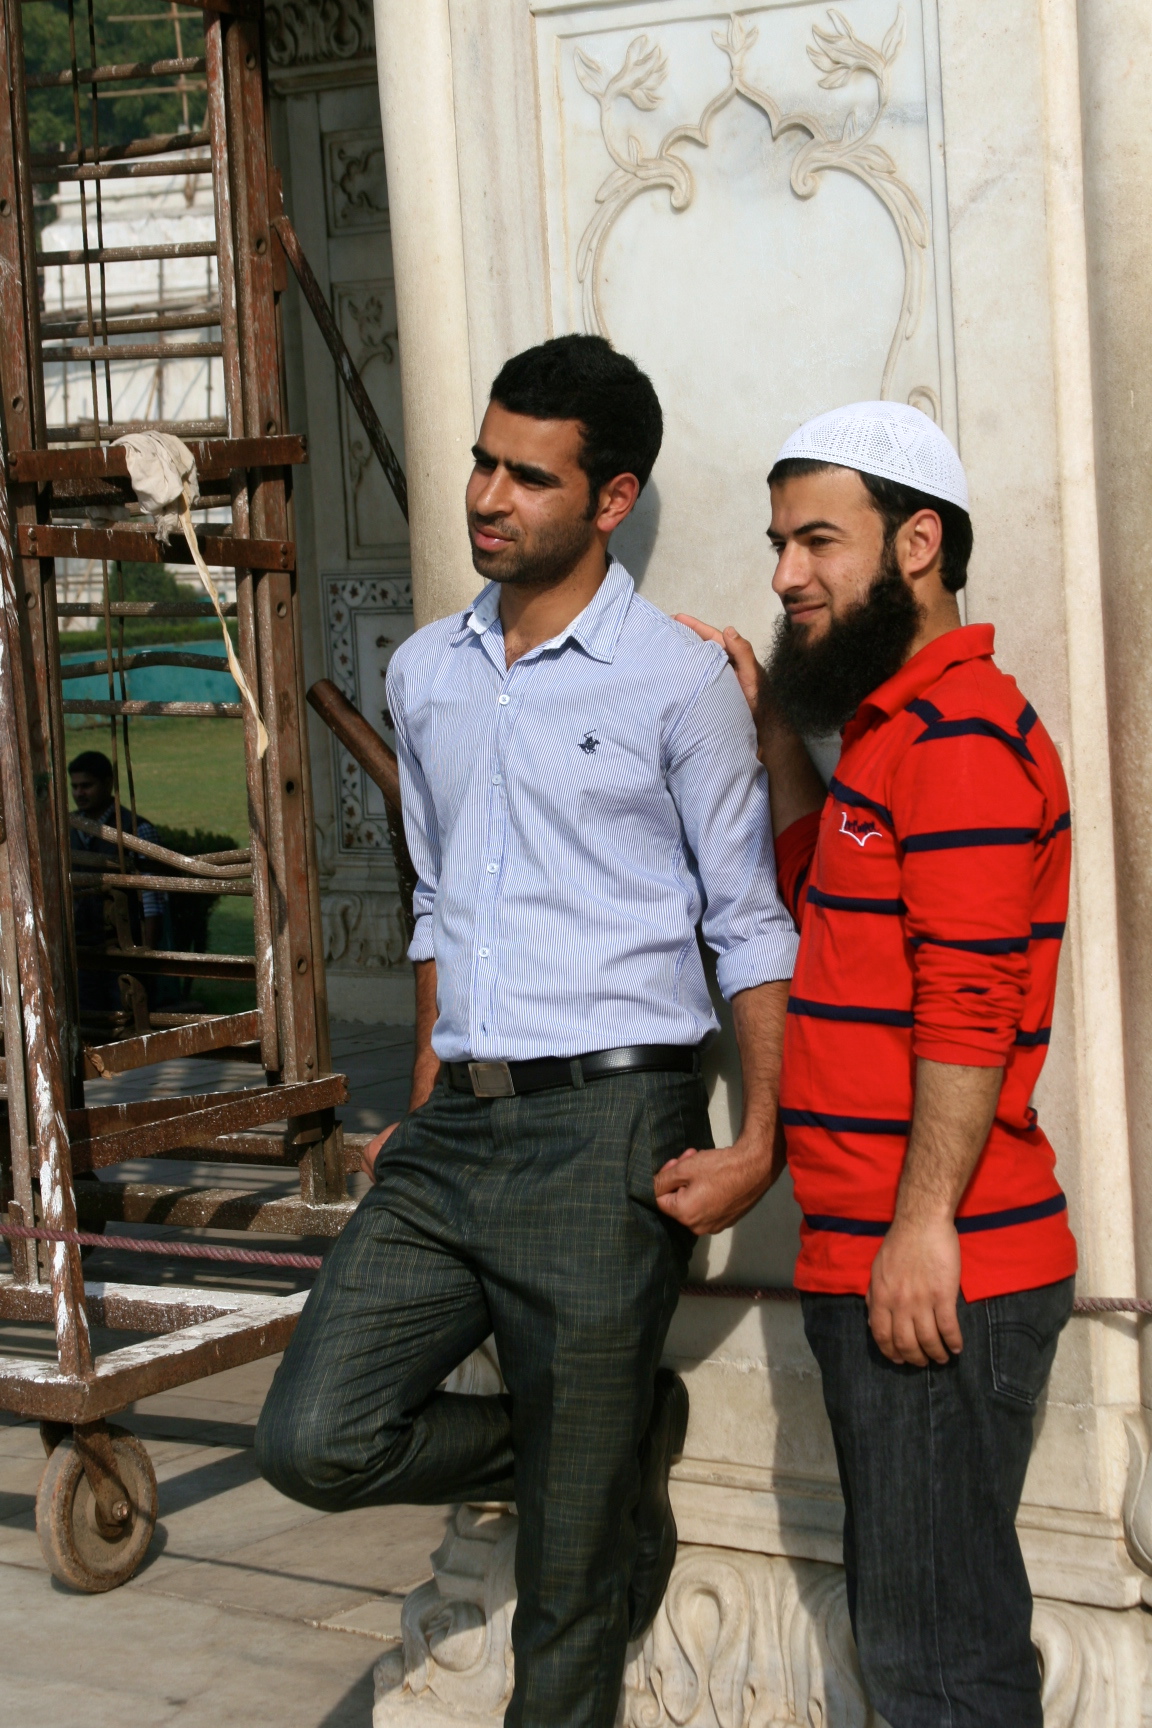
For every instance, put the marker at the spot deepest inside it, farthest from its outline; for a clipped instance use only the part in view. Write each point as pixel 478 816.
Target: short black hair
pixel 895 503
pixel 93 763
pixel 583 378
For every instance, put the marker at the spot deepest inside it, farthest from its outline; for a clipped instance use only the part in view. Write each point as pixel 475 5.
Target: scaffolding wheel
pixel 80 1549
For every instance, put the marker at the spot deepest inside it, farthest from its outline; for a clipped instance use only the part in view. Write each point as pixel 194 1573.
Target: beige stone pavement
pixel 249 1609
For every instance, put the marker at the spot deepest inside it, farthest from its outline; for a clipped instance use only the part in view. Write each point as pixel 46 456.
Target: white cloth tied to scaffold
pixel 162 470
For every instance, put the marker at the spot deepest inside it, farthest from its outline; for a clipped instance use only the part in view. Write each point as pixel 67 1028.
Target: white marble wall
pixel 351 536
pixel 773 209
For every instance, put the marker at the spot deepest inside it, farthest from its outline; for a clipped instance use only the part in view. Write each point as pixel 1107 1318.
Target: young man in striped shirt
pixel 930 886
pixel 580 790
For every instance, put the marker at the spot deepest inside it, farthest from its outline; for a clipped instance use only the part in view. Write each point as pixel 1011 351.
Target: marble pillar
pixel 1116 59
pixel 776 209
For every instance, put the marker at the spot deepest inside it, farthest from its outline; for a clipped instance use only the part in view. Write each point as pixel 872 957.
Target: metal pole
pixel 338 348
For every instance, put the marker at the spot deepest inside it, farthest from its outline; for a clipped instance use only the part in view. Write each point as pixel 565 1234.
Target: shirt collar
pixel 597 629
pixel 969 642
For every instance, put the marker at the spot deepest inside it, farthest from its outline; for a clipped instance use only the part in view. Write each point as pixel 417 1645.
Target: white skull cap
pixel 888 439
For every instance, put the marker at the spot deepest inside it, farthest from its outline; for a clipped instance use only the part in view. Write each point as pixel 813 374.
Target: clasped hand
pixel 709 1190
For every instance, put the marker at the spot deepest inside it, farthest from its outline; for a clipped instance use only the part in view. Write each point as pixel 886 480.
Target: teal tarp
pixel 159 683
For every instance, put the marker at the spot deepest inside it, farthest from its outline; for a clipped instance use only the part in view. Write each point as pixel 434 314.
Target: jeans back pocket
pixel 1023 1331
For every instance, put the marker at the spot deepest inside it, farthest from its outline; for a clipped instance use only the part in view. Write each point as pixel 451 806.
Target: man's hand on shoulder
pixel 912 1296
pixel 739 650
pixel 708 1191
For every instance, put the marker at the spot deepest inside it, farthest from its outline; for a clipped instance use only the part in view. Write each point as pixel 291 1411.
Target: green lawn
pixel 189 773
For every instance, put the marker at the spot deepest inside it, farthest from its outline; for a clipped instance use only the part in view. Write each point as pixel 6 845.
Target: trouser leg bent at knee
pixel 536 1217
pixel 353 1416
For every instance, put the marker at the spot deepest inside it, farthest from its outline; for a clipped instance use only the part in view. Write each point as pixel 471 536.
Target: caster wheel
pixel 78 1548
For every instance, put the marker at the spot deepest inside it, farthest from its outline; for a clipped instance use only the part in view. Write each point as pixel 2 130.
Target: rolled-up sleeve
pixel 421 829
pixel 721 793
pixel 968 818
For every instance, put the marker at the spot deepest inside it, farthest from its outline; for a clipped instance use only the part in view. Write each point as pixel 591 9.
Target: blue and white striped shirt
pixel 571 817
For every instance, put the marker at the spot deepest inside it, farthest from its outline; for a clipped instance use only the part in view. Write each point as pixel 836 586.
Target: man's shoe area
pixel 655 1525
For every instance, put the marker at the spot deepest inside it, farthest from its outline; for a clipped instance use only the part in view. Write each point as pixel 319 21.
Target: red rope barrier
pixel 313 1262
pixel 786 1293
pixel 187 1250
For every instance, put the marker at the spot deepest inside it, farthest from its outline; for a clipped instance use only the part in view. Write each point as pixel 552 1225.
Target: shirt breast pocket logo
pixel 859 828
pixel 589 744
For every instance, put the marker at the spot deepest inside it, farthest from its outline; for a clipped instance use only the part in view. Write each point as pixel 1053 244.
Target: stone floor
pixel 249 1609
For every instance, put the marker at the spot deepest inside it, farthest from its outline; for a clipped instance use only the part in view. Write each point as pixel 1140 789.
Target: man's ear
pixel 616 501
pixel 919 543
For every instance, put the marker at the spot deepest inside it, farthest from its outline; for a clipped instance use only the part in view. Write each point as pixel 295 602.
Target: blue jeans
pixel 932 1463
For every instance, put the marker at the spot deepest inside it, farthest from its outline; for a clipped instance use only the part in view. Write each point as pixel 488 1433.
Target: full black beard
pixel 817 688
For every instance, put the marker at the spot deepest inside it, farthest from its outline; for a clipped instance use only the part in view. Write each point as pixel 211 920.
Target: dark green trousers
pixel 535 1219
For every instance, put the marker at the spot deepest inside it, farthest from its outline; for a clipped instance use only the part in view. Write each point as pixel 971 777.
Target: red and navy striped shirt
pixel 931 894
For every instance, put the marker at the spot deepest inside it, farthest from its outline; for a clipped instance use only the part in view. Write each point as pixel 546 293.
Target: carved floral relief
pixel 309 32
pixel 741 1641
pixel 357 185
pixel 366 313
pixel 367 618
pixel 838 55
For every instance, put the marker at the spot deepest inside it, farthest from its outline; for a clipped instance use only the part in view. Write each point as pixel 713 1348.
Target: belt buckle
pixel 491 1080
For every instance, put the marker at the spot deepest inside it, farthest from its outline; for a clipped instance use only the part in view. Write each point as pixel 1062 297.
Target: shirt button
pixel 503 700
pixel 483 953
pixel 491 869
pixel 497 779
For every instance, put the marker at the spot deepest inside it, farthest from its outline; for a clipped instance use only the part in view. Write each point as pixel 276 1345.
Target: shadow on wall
pixel 635 540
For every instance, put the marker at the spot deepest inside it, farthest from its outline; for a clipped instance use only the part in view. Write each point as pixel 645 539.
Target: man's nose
pixel 791 570
pixel 494 497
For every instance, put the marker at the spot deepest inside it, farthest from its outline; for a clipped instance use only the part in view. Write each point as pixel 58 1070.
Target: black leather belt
pixel 512 1079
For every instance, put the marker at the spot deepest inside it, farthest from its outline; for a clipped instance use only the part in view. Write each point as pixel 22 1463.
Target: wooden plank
pixel 129 255
pixel 124 170
pixel 123 72
pixel 101 351
pixel 41 540
pixel 143 609
pixel 94 1119
pixel 46 1089
pixel 39 1391
pixel 197 710
pixel 295 922
pixel 158 963
pixel 160 144
pixel 194 1040
pixel 227 1111
pixel 123 1307
pixel 215 458
pixel 208 1209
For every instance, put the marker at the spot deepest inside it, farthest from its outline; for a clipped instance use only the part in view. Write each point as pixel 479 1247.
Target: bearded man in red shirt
pixel 930 885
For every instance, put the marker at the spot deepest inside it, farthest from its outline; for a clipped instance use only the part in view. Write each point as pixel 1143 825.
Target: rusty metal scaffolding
pixel 97 1499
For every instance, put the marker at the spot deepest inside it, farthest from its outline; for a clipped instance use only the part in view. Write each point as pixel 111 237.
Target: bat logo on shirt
pixel 590 744
pixel 860 829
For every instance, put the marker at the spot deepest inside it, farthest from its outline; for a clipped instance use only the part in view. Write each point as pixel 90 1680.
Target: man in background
pixel 930 884
pixel 92 780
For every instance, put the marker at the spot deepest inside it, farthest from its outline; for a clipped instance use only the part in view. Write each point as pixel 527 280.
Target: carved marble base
pixel 742 1641
pixel 363 929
